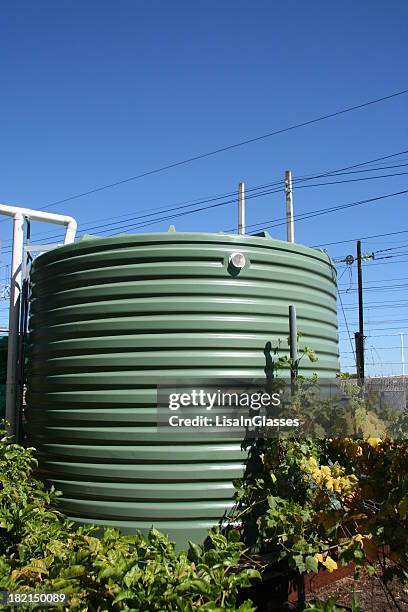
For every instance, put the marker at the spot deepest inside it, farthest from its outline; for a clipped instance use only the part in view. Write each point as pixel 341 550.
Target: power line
pixel 323 211
pixel 382 335
pixel 206 199
pixel 175 215
pixel 394 248
pixel 371 363
pixel 364 171
pixel 300 217
pixel 280 221
pixel 380 306
pixel 345 320
pixel 185 205
pixel 380 288
pixel 315 246
pixel 385 304
pixel 381 329
pixel 382 348
pixel 381 280
pixel 228 148
pixel 380 263
pixel 382 321
pixel 364 178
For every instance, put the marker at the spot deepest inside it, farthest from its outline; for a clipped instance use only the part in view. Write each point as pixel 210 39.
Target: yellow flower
pixel 317 476
pixel 319 557
pixel 330 564
pixel 374 442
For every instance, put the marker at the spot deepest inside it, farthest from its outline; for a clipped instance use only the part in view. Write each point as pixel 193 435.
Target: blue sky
pixel 96 91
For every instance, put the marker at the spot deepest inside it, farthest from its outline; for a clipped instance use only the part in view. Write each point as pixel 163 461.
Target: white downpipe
pixel 14 312
pixel 19 214
pixel 40 215
pixel 290 226
pixel 241 208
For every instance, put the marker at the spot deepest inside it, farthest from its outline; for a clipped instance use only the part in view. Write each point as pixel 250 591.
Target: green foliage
pixel 318 605
pixel 284 361
pixel 330 605
pixel 310 503
pixel 314 502
pixel 40 550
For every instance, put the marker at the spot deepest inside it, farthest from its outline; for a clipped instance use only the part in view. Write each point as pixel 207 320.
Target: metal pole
pixel 360 373
pixel 241 208
pixel 293 341
pixel 14 319
pixel 402 355
pixel 290 228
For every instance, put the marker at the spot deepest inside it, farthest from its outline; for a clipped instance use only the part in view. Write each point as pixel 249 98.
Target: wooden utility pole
pixel 359 336
pixel 290 228
pixel 241 208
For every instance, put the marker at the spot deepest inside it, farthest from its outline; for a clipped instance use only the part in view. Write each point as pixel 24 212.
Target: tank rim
pixel 91 243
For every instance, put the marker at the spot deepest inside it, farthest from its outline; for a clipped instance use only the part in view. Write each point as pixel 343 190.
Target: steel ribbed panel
pixel 110 318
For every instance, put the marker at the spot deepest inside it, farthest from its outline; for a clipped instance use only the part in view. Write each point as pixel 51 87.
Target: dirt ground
pixel 371 595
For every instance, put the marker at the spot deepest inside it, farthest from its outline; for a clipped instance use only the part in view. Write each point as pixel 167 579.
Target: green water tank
pixel 110 318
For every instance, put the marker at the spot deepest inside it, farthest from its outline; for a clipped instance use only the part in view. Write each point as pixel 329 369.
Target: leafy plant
pixel 318 605
pixel 330 605
pixel 309 503
pixel 40 549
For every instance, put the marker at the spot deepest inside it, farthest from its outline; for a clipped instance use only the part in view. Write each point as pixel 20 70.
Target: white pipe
pixel 14 312
pixel 40 215
pixel 241 208
pixel 290 227
pixel 19 214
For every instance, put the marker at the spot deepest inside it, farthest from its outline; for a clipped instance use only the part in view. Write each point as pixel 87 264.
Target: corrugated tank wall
pixel 110 318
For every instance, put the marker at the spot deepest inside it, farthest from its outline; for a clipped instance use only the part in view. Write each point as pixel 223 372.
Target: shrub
pixel 41 550
pixel 319 503
pixel 313 502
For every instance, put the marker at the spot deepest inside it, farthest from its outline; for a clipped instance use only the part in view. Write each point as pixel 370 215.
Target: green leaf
pixel 133 576
pixel 199 586
pixel 251 574
pixel 233 536
pixel 247 606
pixel 107 572
pixel 194 552
pixel 125 594
pixel 299 562
pixel 311 564
pixel 74 571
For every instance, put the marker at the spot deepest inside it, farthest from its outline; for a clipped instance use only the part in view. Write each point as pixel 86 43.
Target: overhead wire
pixel 276 222
pixel 226 148
pixel 190 203
pixel 321 211
pixel 345 320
